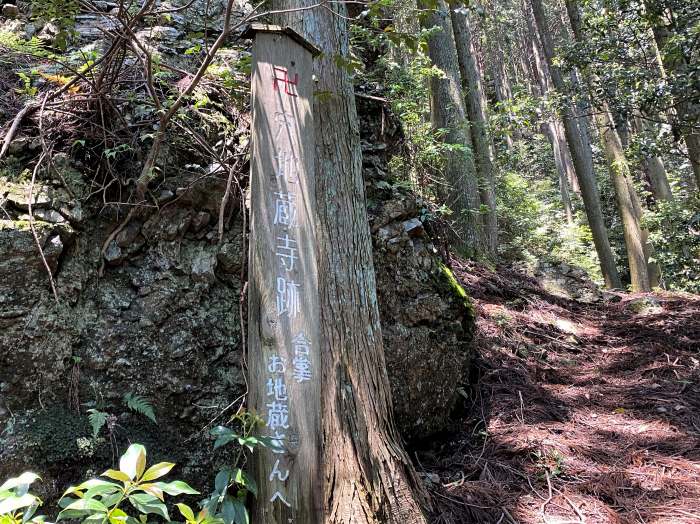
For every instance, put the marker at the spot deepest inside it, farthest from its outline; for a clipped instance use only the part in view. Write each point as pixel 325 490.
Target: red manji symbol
pixel 285 79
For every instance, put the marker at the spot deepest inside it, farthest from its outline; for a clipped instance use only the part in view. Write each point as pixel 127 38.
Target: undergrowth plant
pixel 232 484
pixel 133 493
pixel 136 403
pixel 17 505
pixel 101 500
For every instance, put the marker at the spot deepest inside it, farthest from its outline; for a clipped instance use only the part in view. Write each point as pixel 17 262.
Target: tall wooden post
pixel 283 315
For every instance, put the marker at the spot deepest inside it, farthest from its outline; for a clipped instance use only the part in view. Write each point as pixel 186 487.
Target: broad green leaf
pixel 223 436
pixel 13 503
pixel 96 517
pixel 111 500
pixel 116 475
pixel 88 505
pixel 29 512
pixel 146 503
pixel 222 480
pixel 102 489
pixel 228 511
pixel 117 516
pixel 64 502
pixel 177 487
pixel 133 462
pixel 219 430
pixel 152 489
pixel 223 440
pixel 80 507
pixel 158 470
pixel 242 478
pixel 24 479
pixel 241 513
pixel 186 511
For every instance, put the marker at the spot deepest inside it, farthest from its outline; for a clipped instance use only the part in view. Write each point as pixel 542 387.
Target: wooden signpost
pixel 283 316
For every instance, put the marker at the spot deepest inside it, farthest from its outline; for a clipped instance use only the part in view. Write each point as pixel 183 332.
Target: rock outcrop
pixel 157 312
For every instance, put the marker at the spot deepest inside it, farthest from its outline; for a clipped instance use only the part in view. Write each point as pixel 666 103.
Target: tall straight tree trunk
pixel 583 163
pixel 568 163
pixel 542 76
pixel 550 128
pixel 624 190
pixel 368 477
pixel 560 163
pixel 654 167
pixel 448 112
pixel 476 109
pixel 627 200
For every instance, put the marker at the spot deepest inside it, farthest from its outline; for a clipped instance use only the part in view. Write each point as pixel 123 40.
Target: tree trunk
pixel 368 477
pixel 448 112
pixel 560 162
pixel 550 128
pixel 627 200
pixel 568 163
pixel 619 171
pixel 476 108
pixel 654 168
pixel 582 160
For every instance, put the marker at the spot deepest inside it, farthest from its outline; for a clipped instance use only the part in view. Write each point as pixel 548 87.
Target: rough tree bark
pixel 635 239
pixel 368 477
pixel 582 158
pixel 448 112
pixel 476 109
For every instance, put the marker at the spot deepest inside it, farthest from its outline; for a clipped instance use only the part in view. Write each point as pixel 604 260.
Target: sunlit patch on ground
pixel 583 413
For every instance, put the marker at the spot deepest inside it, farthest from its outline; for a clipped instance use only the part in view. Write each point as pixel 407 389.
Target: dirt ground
pixel 581 413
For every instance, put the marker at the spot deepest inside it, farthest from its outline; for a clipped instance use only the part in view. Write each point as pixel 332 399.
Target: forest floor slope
pixel 581 412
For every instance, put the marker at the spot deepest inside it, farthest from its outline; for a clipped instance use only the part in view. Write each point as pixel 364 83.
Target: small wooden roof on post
pixel 252 29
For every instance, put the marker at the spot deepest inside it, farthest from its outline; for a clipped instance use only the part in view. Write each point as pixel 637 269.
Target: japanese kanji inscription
pixel 283 350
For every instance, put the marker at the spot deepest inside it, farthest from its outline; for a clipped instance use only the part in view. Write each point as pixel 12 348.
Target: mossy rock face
pixel 428 320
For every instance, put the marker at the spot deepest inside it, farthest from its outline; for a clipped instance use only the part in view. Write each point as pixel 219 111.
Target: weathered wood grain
pixel 283 261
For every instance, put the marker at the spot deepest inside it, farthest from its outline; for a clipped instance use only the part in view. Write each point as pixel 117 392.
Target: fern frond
pixel 97 420
pixel 138 404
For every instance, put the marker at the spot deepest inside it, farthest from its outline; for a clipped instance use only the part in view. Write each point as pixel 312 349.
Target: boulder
pixel 10 11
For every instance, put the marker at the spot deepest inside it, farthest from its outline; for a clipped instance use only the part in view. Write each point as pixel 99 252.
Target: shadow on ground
pixel 582 412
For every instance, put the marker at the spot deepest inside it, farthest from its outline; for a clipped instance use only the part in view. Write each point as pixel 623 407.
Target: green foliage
pixel 27 87
pixel 133 493
pixel 101 500
pixel 97 420
pixel 62 13
pixel 140 405
pixel 531 219
pixel 232 484
pixel 14 43
pixel 550 463
pixel 675 234
pixel 17 505
pixel 136 403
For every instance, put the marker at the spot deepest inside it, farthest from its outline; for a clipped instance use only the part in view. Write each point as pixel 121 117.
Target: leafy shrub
pixel 675 234
pixel 133 494
pixel 62 13
pixel 102 500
